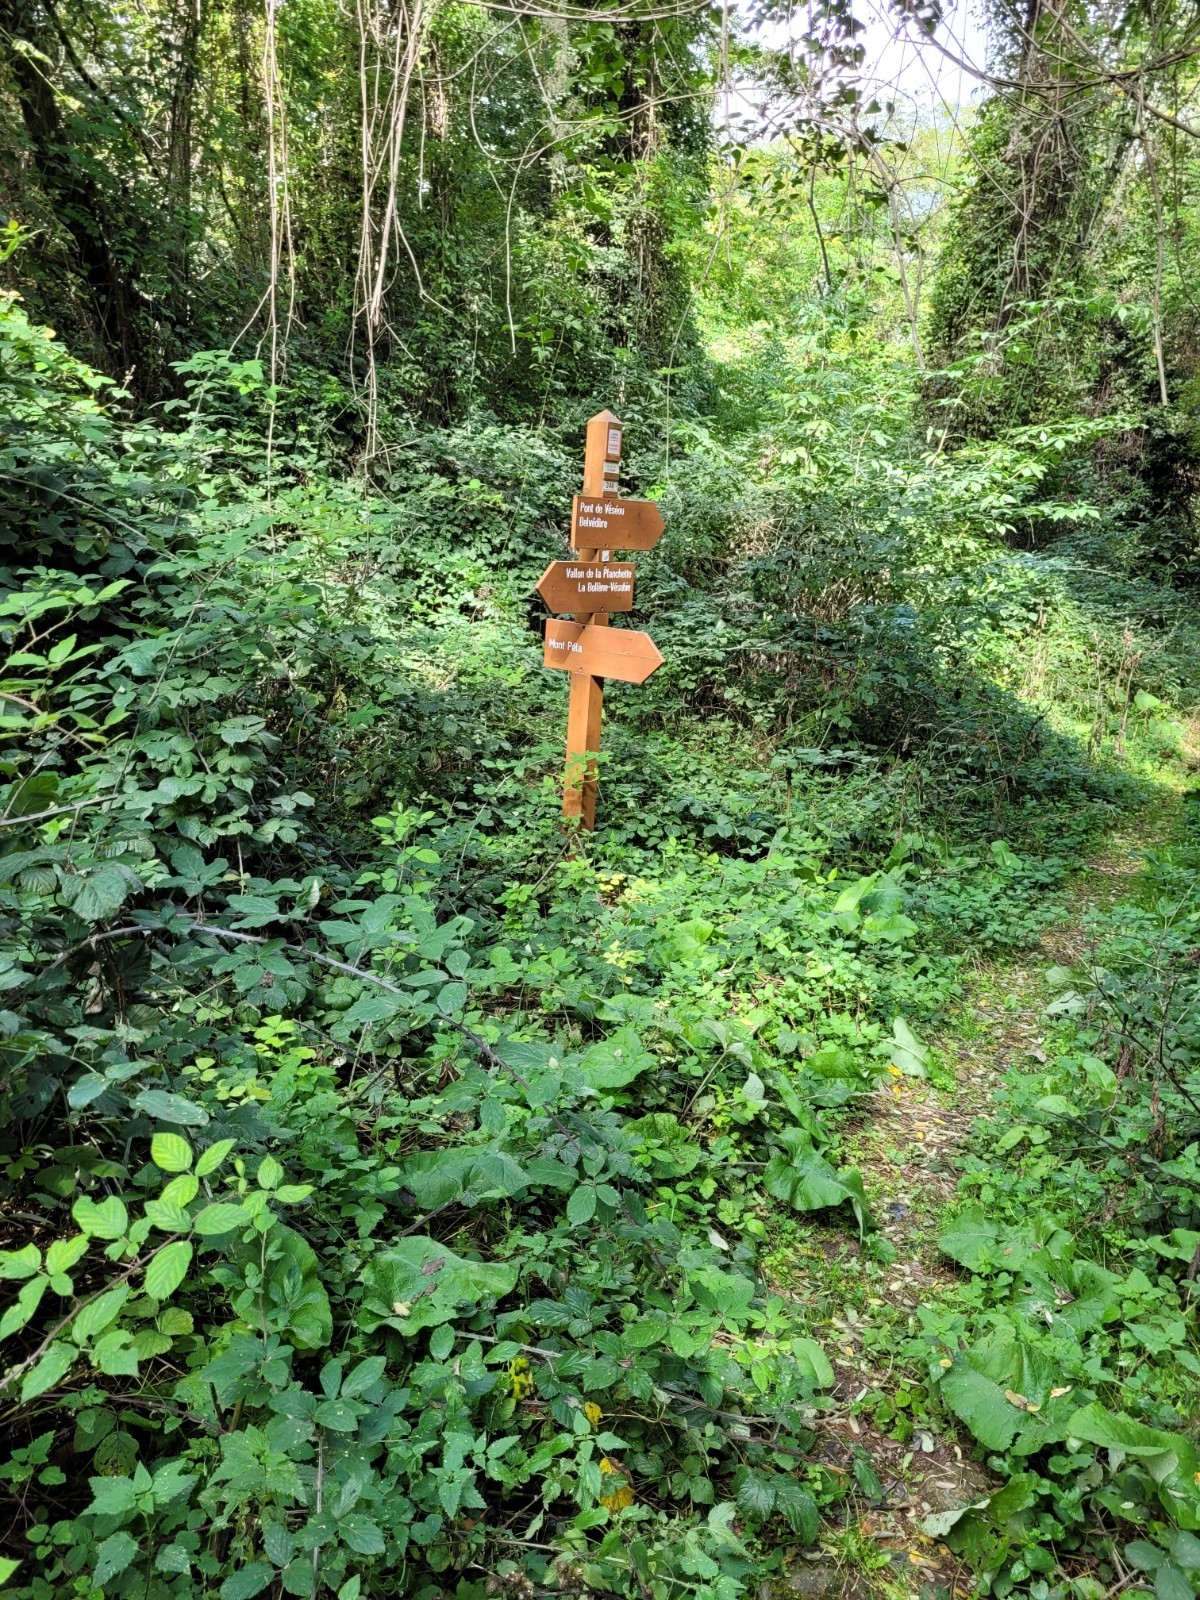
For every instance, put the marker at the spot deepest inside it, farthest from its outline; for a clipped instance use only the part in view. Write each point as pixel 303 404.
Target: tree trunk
pixel 189 30
pixel 72 192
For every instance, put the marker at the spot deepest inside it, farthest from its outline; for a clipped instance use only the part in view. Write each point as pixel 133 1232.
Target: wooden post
pixel 601 460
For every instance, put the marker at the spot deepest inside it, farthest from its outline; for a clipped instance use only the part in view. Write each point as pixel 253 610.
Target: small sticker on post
pixel 614 444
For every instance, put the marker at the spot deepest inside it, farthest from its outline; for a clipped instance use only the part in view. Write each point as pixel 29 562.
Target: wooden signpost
pixel 622 653
pixel 574 586
pixel 591 587
pixel 618 524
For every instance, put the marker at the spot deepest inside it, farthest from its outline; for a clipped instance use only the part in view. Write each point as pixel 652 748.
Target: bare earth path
pixel 910 1149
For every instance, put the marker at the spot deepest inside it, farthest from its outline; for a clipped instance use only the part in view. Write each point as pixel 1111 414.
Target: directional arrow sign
pixel 594 586
pixel 601 652
pixel 606 522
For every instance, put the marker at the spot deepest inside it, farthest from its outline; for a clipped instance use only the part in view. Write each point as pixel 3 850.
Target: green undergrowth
pixel 386 1178
pixel 1065 1348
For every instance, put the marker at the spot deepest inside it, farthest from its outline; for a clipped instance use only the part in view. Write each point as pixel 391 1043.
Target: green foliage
pixel 386 1181
pixel 383 1158
pixel 1082 1386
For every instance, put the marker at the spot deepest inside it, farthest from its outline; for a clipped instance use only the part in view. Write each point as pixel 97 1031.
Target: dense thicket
pixel 401 1197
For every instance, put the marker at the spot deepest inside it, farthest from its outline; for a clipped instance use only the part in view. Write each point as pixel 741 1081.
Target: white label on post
pixel 614 443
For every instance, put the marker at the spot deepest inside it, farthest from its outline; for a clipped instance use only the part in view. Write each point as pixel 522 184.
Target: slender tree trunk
pixel 189 31
pixel 72 192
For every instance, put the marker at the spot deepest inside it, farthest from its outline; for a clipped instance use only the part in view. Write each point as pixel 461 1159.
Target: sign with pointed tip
pixel 587 586
pixel 601 652
pixel 606 522
pixel 593 586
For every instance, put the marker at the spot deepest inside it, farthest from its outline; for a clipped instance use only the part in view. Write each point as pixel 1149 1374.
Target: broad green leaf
pixel 980 1403
pixel 452 997
pixel 1170 1583
pixel 174 1559
pixel 292 1279
pixel 812 1361
pixel 278 1543
pixel 1145 1557
pixel 1017 1495
pixel 972 1239
pixel 270 1173
pixel 106 1220
pixel 614 1062
pixel 220 1217
pixel 96 894
pixel 361 1534
pixel 939 1523
pixel 22 1263
pixel 977 1242
pixel 363 1377
pixel 38 792
pixel 853 893
pixel 55 1364
pixel 377 1008
pixel 246 1582
pixel 167 1217
pixel 908 1054
pixel 166 1107
pixel 64 1253
pixel 213 1157
pixel 664 1145
pixel 756 1493
pixel 115 1353
pixel 581 1207
pixel 437 1177
pixel 420 1283
pixel 893 927
pixel 181 1191
pixel 866 1477
pixel 167 1269
pixel 799 1510
pixel 727 1293
pixel 170 1151
pixel 112 1497
pixel 441 1342
pixel 1008 1389
pixel 684 941
pixel 98 1313
pixel 807 1182
pixel 1160 1452
pixel 21 1311
pixel 86 1089
pixel 113 1556
pixel 1084 1296
pixel 338 1415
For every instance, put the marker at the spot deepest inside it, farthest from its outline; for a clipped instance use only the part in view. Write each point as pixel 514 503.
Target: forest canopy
pixel 792 1185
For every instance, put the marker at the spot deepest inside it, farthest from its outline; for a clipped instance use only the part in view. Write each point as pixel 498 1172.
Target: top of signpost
pixel 602 453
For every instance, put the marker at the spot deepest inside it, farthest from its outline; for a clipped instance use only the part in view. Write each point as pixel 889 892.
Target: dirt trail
pixel 910 1150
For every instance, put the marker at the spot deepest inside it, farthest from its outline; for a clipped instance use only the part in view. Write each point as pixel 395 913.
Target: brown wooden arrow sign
pixel 606 522
pixel 590 586
pixel 623 653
